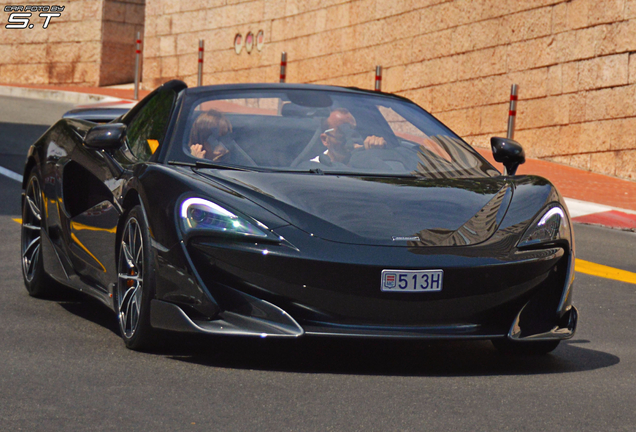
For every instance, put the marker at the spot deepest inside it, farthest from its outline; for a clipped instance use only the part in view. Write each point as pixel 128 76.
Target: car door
pixel 95 179
pixel 60 142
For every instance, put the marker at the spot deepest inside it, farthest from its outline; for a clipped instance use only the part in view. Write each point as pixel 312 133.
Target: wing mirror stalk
pixel 105 137
pixel 508 152
pixel 115 168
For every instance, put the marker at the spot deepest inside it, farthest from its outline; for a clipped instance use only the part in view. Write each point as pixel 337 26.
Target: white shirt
pixel 317 158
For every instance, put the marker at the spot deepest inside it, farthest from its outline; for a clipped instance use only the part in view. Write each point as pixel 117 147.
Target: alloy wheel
pixel 31 229
pixel 130 277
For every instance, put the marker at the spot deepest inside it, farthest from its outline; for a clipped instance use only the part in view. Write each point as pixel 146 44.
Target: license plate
pixel 412 280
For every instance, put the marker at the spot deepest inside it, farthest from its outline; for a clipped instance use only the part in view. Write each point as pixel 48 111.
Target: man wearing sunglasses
pixel 341 138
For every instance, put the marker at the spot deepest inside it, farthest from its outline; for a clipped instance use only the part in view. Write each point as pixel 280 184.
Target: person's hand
pixel 197 151
pixel 374 142
pixel 218 152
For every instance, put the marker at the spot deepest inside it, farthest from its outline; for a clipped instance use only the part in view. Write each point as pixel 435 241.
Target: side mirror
pixel 508 152
pixel 107 136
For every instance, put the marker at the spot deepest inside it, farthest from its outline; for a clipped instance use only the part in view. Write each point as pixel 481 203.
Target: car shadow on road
pixel 399 358
pixel 352 356
pixel 88 308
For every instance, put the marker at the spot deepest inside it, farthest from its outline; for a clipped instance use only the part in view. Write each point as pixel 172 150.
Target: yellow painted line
pixel 18 220
pixel 600 270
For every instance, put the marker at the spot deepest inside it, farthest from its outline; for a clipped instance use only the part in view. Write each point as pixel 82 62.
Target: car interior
pixel 288 137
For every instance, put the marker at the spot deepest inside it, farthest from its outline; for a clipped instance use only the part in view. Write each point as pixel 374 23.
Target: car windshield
pixel 322 131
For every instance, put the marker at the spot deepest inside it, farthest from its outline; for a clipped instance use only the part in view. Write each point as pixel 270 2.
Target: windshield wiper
pixel 346 173
pixel 203 164
pixel 368 174
pixel 318 171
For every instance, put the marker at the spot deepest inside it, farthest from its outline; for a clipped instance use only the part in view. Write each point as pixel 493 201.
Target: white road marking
pixel 581 208
pixel 8 173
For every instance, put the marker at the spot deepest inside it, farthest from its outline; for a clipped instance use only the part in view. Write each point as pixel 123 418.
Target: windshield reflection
pixel 324 132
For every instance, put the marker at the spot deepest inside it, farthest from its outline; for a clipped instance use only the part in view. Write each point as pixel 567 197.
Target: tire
pixel 526 348
pixel 36 281
pixel 135 282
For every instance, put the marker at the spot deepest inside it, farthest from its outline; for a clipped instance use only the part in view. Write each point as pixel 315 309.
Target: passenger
pixel 341 139
pixel 205 136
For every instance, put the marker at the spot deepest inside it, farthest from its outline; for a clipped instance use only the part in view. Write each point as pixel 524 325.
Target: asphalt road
pixel 22 121
pixel 63 365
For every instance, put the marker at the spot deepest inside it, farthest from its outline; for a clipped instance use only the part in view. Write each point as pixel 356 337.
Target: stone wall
pixel 68 51
pixel 458 58
pixel 122 20
pixel 91 43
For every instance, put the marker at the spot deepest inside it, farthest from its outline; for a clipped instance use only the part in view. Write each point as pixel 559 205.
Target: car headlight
pixel 551 225
pixel 203 215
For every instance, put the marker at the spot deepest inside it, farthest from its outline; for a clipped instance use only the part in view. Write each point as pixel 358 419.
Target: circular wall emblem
pixel 238 43
pixel 249 42
pixel 260 40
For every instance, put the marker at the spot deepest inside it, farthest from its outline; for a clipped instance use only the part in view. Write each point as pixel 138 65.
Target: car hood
pixel 378 210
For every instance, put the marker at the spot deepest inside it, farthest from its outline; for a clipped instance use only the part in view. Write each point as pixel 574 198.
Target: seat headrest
pixel 292 110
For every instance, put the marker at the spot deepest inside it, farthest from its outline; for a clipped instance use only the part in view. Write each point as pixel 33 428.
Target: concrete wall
pixel 91 43
pixel 572 60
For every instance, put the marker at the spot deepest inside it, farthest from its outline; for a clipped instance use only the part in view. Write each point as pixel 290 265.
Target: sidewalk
pixel 591 198
pixel 81 94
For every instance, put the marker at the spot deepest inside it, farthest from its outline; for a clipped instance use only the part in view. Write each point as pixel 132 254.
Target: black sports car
pixel 277 210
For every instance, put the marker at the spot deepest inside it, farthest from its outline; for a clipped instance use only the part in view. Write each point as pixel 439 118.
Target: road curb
pixel 610 219
pixel 55 95
pixel 599 214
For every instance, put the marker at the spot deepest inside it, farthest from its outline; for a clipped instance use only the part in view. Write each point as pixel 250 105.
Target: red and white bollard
pixel 200 71
pixel 512 111
pixel 137 65
pixel 283 67
pixel 378 78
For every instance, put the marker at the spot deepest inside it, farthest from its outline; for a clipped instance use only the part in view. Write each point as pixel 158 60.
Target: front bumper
pixel 169 316
pixel 335 292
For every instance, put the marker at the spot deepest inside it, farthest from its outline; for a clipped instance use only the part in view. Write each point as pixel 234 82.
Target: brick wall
pixel 456 58
pixel 91 43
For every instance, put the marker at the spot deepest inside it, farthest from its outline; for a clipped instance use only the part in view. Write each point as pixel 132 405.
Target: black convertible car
pixel 277 210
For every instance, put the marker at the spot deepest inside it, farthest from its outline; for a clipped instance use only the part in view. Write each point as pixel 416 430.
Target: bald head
pixel 340 116
pixel 334 139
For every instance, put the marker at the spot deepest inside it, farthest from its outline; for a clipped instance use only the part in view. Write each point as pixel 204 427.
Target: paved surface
pixel 64 366
pixel 22 121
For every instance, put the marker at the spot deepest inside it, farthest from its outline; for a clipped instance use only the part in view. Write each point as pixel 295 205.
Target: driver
pixel 341 139
pixel 206 136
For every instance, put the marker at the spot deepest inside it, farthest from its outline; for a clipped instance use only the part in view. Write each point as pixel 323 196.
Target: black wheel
pixel 506 346
pixel 135 282
pixel 37 282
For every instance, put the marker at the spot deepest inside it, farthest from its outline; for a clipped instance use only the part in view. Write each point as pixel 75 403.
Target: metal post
pixel 283 67
pixel 512 112
pixel 200 72
pixel 137 65
pixel 378 78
